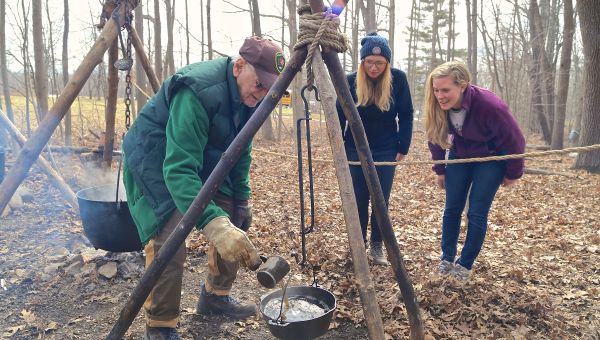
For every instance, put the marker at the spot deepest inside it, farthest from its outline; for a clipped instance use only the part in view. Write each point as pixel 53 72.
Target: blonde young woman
pixel 471 122
pixel 385 107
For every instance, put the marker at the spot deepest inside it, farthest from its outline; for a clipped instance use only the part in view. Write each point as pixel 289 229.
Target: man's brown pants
pixel 163 304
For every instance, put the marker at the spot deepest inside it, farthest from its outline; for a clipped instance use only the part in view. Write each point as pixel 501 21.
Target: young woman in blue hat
pixel 385 107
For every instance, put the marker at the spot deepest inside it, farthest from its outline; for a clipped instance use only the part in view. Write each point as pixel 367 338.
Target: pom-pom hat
pixel 374 44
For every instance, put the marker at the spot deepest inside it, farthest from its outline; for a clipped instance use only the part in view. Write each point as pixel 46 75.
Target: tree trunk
pixel 111 104
pixel 392 26
pixel 209 31
pixel 355 24
pixel 158 69
pixel 434 36
pixel 187 34
pixel 39 55
pixel 202 26
pixel 3 69
pixel 451 34
pixel 563 79
pixel 473 19
pixel 65 72
pixel 267 128
pixel 169 67
pixel 589 20
pixel 140 79
pixel 369 16
pixel 539 93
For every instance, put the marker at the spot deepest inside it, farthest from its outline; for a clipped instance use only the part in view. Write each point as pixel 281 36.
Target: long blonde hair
pixel 377 92
pixel 436 121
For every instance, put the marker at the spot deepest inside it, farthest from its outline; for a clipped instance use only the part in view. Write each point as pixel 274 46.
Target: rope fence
pixel 455 161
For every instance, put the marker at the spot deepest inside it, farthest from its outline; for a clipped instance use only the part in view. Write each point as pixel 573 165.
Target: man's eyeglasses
pixel 378 64
pixel 259 85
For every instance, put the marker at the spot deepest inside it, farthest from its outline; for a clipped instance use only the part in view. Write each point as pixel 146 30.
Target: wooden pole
pixel 340 83
pixel 33 147
pixel 111 104
pixel 362 272
pixel 53 176
pixel 143 59
pixel 191 217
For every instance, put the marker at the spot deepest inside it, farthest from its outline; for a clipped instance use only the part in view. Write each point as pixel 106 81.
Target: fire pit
pixel 307 316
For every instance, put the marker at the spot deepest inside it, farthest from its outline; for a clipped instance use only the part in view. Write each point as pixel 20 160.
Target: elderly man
pixel 171 149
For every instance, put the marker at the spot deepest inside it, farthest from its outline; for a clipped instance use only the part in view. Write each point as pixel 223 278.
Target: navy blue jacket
pixel 382 129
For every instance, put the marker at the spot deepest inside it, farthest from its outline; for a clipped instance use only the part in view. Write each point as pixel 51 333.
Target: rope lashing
pixel 463 160
pixel 318 29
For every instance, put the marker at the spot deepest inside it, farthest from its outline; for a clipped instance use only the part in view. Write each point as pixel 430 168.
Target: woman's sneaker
pixel 461 273
pixel 445 267
pixel 377 253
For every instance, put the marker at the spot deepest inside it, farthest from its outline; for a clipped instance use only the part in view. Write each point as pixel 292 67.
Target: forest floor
pixel 538 275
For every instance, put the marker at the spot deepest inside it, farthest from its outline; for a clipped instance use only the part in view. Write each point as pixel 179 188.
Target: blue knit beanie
pixel 374 44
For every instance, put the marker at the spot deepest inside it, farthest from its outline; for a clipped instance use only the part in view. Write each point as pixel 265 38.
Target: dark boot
pixel 210 304
pixel 161 333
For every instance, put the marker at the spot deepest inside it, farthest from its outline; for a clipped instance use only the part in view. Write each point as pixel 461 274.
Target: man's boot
pixel 210 304
pixel 161 333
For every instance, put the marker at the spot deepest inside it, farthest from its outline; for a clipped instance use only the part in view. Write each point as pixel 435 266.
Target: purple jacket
pixel 489 129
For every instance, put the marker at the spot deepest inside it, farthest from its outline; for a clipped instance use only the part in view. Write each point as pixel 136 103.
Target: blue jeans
pixel 484 179
pixel 361 191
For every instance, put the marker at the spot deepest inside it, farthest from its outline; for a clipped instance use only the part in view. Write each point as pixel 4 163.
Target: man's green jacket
pixel 178 139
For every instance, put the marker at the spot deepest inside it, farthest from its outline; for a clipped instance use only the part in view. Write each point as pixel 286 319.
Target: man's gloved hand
pixel 232 243
pixel 242 215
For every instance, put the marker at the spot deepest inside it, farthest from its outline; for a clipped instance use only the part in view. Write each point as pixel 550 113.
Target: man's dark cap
pixel 266 57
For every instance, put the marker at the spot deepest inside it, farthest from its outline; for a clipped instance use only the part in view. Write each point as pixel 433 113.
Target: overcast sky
pixel 229 27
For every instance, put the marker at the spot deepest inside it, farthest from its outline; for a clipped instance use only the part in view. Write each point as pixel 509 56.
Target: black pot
pixel 306 329
pixel 107 221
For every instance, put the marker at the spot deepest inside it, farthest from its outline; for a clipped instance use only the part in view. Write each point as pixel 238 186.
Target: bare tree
pixel 169 67
pixel 187 34
pixel 472 38
pixel 255 17
pixel 41 70
pixel 140 75
pixel 369 16
pixel 209 31
pixel 564 73
pixel 3 64
pixel 392 25
pixel 355 24
pixel 589 21
pixel 158 68
pixel 65 71
pixel 202 26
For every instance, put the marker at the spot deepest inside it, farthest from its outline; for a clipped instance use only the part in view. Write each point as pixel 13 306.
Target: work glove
pixel 232 243
pixel 242 215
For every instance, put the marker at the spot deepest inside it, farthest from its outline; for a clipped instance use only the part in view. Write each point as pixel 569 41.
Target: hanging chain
pixel 127 25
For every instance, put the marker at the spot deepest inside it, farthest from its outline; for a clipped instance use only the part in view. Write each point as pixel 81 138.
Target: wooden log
pixel 338 78
pixel 143 58
pixel 191 217
pixel 111 104
pixel 55 179
pixel 533 171
pixel 362 272
pixel 32 148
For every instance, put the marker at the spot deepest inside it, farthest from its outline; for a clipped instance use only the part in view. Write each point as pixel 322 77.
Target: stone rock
pixel 74 268
pixel 87 270
pixel 26 194
pixel 108 270
pixel 52 268
pixel 5 212
pixel 16 202
pixel 56 254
